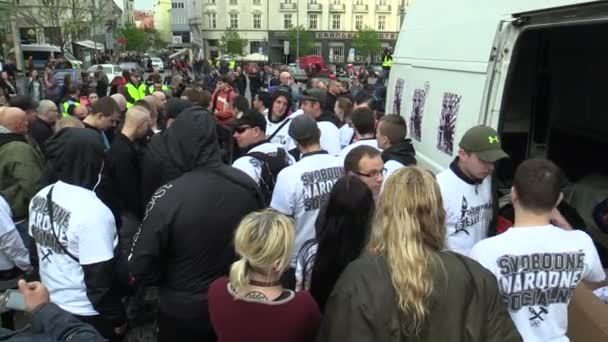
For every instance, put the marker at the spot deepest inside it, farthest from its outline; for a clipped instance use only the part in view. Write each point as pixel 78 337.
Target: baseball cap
pixel 314 94
pixel 303 127
pixel 484 142
pixel 251 118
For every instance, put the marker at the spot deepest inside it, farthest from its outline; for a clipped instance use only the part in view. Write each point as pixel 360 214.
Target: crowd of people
pixel 300 215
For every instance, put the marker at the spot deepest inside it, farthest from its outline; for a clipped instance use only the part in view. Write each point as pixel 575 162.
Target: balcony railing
pixel 383 8
pixel 336 8
pixel 360 8
pixel 288 7
pixel 315 8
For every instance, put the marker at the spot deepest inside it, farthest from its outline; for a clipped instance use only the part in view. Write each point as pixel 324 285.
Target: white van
pixel 40 53
pixel 536 70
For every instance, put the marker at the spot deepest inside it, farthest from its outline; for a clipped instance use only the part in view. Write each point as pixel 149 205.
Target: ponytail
pixel 238 275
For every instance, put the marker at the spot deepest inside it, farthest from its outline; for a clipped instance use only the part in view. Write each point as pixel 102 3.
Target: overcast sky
pixel 143 4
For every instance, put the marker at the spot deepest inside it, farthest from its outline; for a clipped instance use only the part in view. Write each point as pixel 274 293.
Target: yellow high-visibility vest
pixel 66 106
pixel 135 93
pixel 388 61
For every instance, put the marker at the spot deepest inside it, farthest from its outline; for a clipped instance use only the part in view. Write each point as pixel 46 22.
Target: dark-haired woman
pixel 343 230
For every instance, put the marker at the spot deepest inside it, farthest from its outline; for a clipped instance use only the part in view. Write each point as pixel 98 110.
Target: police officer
pixel 136 90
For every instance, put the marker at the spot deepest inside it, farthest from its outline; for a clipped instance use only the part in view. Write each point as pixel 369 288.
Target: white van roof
pixel 447 22
pixel 40 47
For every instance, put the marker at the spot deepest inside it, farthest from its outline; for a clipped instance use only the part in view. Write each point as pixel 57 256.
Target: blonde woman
pixel 407 287
pixel 252 305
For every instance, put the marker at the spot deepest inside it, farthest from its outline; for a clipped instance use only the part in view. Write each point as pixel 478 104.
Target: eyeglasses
pixel 371 174
pixel 240 130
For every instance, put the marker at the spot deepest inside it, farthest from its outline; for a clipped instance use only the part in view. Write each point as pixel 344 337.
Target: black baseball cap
pixel 303 127
pixel 251 118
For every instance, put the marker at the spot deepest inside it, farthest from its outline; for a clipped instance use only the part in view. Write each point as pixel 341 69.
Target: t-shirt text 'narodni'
pixel 302 189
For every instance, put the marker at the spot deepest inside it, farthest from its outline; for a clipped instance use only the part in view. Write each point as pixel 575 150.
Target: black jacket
pixel 328 115
pixel 402 152
pixel 76 156
pixel 185 241
pixel 41 131
pixel 125 171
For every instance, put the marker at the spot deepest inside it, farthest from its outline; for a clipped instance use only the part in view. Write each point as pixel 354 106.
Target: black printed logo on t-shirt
pixel 538 280
pixel 470 216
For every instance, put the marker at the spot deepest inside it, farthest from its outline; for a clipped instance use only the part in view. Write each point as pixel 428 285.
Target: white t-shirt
pixel 85 227
pixel 330 137
pixel 347 132
pixel 12 250
pixel 302 189
pixel 253 166
pixel 364 142
pixel 282 136
pixel 538 269
pixel 468 208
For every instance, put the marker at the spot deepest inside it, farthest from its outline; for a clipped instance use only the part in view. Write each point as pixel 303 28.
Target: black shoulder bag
pixel 49 206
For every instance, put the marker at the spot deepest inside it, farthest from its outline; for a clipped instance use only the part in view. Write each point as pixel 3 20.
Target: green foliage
pixel 137 39
pixel 232 43
pixel 154 39
pixel 366 43
pixel 305 43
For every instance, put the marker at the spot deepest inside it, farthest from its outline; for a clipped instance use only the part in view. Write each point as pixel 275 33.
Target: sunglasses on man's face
pixel 242 129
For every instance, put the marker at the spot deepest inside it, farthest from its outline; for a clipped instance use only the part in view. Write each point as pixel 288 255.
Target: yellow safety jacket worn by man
pixel 66 107
pixel 387 62
pixel 135 93
pixel 152 89
pixel 232 65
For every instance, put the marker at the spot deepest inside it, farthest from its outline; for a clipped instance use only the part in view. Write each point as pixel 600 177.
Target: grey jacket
pixel 51 324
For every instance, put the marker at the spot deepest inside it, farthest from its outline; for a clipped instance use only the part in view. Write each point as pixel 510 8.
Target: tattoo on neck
pixel 256 295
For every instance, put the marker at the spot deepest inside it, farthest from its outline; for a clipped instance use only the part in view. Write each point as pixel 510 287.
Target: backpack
pixel 272 164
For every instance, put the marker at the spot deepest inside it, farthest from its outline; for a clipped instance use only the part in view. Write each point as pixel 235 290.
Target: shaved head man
pixel 285 78
pixel 161 99
pixel 121 101
pixel 137 123
pixel 14 119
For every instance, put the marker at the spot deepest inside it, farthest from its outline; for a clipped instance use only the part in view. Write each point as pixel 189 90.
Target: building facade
pixel 180 26
pixel 332 23
pixel 162 19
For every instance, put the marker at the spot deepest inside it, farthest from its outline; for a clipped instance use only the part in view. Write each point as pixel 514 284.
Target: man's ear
pixel 514 195
pixel 560 198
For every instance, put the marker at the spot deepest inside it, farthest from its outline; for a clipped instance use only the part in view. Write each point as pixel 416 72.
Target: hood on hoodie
pixel 191 141
pixel 6 136
pixel 176 106
pixel 402 152
pixel 76 156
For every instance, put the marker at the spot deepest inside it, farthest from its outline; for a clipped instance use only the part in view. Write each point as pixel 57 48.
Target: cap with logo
pixel 252 119
pixel 303 127
pixel 484 142
pixel 314 94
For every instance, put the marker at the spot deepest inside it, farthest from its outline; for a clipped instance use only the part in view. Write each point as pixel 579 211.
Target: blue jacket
pixel 52 324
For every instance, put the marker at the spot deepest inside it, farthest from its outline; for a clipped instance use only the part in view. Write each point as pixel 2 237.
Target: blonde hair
pixel 409 230
pixel 265 241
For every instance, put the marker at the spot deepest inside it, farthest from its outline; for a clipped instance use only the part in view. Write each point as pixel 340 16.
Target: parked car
pixel 158 64
pixel 110 70
pixel 131 66
pixel 298 73
pixel 60 75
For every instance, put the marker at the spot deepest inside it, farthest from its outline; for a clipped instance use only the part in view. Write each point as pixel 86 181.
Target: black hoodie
pixel 76 156
pixel 185 240
pixel 402 152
